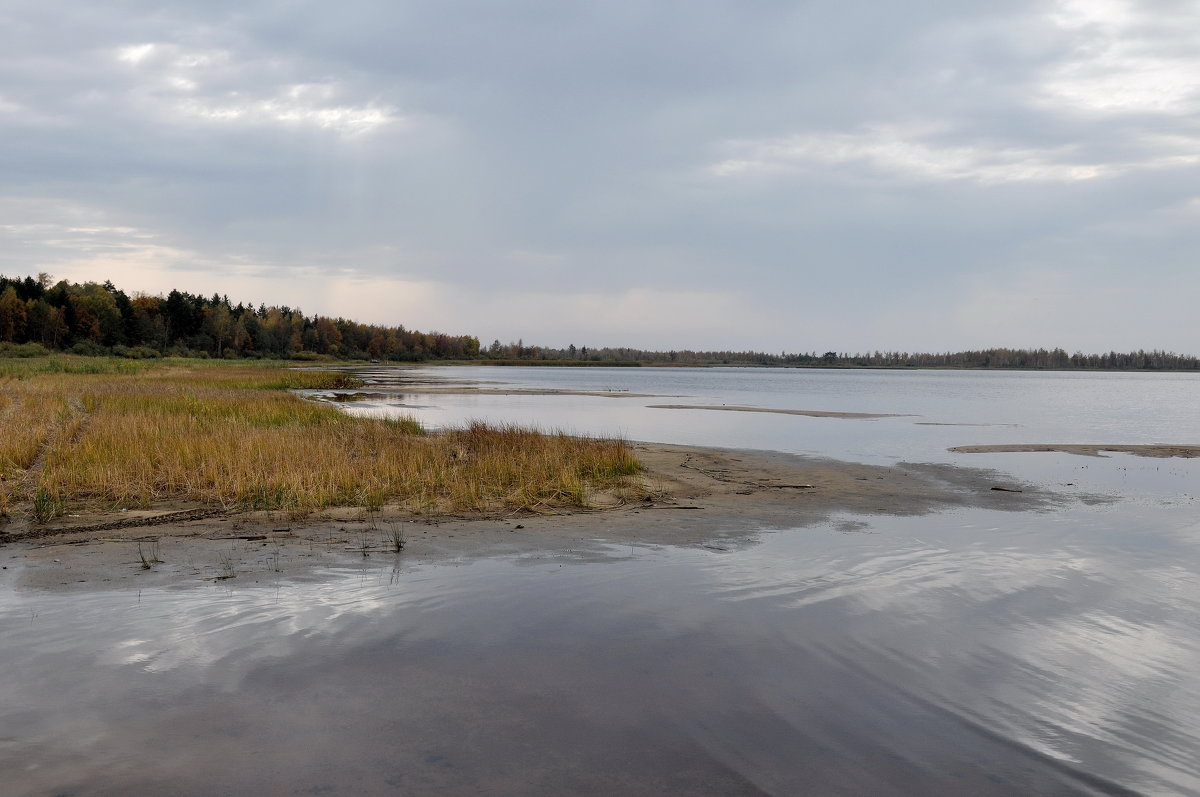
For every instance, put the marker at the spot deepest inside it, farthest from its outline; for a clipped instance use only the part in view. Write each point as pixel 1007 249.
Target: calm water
pixel 994 407
pixel 967 652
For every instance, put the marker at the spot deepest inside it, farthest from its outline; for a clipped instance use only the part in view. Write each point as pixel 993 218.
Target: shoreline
pixel 699 496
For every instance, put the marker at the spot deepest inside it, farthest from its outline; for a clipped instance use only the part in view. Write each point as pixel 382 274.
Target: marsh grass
pixel 394 538
pixel 148 433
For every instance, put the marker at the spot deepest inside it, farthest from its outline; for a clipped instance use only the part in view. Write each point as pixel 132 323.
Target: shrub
pixel 87 348
pixel 135 353
pixel 23 350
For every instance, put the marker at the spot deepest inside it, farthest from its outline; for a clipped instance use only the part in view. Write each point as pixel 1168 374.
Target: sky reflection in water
pixel 964 652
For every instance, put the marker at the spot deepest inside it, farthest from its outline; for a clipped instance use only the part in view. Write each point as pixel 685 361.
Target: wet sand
pixel 697 497
pixel 1159 450
pixel 809 413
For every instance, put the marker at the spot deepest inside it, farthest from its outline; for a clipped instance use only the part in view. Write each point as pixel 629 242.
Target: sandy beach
pixel 700 497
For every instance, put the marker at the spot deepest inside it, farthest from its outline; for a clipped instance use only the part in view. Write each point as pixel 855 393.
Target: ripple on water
pixel 970 652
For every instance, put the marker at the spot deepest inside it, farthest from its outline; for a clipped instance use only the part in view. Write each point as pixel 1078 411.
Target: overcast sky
pixel 926 175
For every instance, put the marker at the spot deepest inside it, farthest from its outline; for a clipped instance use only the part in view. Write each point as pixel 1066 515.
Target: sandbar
pixel 1160 450
pixel 809 413
pixel 520 391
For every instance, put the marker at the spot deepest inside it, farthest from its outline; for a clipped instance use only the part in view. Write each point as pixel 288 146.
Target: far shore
pixel 698 497
pixel 808 366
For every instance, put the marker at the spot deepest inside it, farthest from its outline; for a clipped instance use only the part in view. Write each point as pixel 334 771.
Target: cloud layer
pixel 704 174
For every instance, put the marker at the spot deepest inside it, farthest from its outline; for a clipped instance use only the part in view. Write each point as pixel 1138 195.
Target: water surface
pixel 966 652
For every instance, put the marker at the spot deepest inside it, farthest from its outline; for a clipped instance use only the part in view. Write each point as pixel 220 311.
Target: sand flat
pixel 518 391
pixel 1160 450
pixel 809 413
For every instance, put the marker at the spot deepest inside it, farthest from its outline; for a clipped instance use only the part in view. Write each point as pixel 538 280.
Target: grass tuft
pixel 394 538
pixel 46 505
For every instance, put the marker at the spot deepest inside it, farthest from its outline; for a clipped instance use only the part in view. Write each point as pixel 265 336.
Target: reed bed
pixel 232 436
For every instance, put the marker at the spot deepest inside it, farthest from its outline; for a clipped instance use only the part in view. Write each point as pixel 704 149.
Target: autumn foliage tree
pixel 92 317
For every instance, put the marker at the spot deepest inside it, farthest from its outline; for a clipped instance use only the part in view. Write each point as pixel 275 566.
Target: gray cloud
pixel 780 175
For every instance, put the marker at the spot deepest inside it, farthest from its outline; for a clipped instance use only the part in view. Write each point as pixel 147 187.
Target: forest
pixel 38 315
pixel 90 318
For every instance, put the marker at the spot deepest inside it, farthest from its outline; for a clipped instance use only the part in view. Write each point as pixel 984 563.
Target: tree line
pixel 1047 359
pixel 93 318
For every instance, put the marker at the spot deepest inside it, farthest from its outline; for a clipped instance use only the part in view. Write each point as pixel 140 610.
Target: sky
pixel 709 174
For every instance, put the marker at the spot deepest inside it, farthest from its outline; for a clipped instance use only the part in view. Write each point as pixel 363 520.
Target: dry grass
pixel 231 436
pixel 28 417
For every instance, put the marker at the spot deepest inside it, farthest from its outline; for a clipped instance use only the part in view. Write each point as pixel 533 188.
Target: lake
pixel 962 652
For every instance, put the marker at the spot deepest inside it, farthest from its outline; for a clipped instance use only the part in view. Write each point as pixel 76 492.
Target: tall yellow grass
pixel 27 418
pixel 232 437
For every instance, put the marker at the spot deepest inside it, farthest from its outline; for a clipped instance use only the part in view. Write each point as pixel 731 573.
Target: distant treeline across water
pixel 39 316
pixel 1047 359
